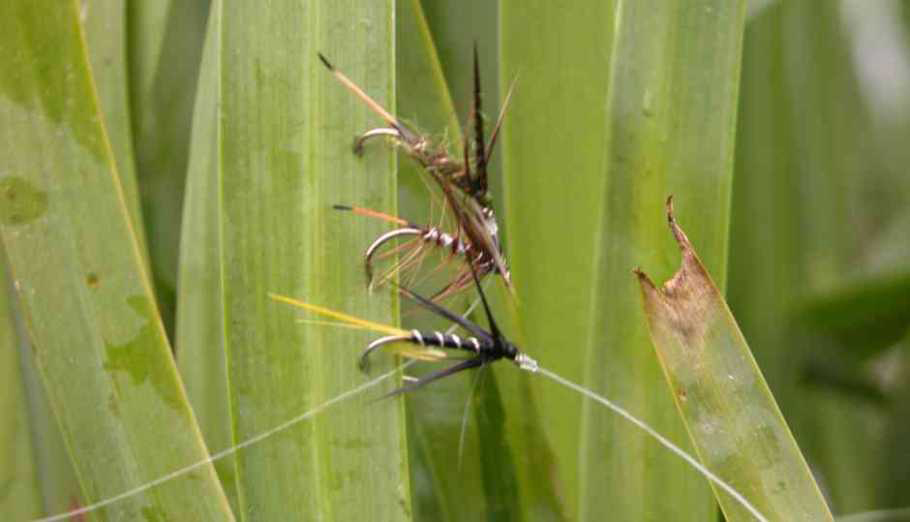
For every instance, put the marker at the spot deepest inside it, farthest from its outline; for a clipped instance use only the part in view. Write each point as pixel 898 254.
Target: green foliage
pixel 819 202
pixel 163 40
pixel 273 136
pixel 200 312
pixel 20 494
pixel 625 104
pixel 81 281
pixel 177 161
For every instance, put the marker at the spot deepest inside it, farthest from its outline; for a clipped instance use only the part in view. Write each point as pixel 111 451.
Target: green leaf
pixel 164 39
pixel 20 487
pixel 729 412
pixel 79 275
pixel 456 27
pixel 284 158
pixel 671 111
pixel 42 471
pixel 811 198
pixel 765 261
pixel 200 314
pixel 618 105
pixel 553 170
pixel 105 36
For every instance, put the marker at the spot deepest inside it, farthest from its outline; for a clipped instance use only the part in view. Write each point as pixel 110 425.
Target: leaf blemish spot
pixel 22 201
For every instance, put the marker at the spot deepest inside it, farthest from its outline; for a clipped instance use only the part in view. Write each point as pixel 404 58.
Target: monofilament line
pixel 229 451
pixel 665 442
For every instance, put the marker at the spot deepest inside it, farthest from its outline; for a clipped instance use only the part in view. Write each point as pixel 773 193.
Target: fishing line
pixel 665 442
pixel 224 453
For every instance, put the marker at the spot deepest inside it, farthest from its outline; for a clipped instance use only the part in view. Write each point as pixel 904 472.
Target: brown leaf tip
pixel 669 206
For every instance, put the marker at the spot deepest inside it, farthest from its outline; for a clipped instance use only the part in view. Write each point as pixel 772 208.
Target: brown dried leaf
pixel 729 412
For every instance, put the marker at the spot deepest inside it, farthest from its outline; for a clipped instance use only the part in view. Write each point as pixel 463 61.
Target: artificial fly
pixel 433 236
pixel 486 346
pixel 464 188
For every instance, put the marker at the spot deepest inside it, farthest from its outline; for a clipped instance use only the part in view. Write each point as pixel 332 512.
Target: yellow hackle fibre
pixel 402 349
pixel 345 318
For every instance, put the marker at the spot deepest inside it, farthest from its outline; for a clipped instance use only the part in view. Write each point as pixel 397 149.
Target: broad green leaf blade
pixel 49 466
pixel 20 490
pixel 720 393
pixel 59 487
pixel 765 262
pixel 165 45
pixel 285 131
pixel 671 111
pixel 200 327
pixel 78 271
pixel 553 170
pixel 105 35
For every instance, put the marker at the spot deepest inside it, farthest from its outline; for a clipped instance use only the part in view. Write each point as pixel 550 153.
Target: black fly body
pixel 484 346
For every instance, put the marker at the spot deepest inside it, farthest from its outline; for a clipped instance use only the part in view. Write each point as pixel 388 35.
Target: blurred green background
pixel 781 127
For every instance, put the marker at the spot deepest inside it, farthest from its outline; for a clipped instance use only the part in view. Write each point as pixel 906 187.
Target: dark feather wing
pixel 470 326
pixel 435 376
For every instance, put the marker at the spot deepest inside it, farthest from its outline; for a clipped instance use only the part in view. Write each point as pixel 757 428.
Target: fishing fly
pixel 463 184
pixel 484 346
pixel 419 237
